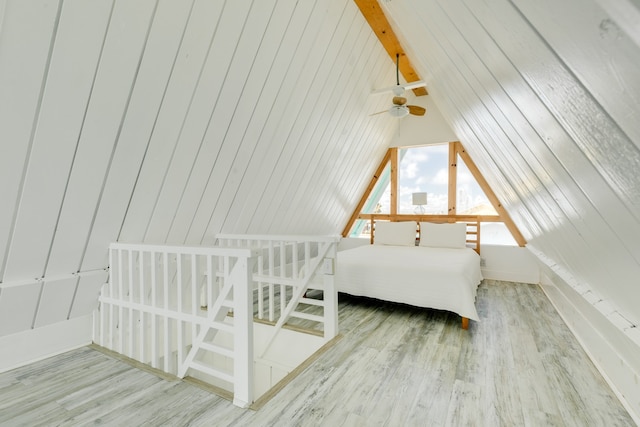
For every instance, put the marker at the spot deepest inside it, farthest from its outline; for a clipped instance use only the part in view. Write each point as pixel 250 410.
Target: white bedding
pixel 440 278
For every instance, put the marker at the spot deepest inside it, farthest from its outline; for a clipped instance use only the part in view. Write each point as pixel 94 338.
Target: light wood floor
pixel 395 365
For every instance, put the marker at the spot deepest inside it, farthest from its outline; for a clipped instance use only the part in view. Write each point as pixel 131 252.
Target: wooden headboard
pixel 473 227
pixel 473 235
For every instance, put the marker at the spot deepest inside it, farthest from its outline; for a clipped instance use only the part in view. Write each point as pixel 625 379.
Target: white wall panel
pixel 244 129
pixel 287 33
pixel 295 61
pixel 299 120
pixel 336 140
pixel 217 119
pixel 179 94
pixel 362 144
pixel 606 54
pixel 533 115
pixel 523 164
pixel 535 90
pixel 329 133
pixel 456 83
pixel 611 235
pixel 312 113
pixel 107 108
pixel 25 44
pixel 72 67
pixel 138 126
pixel 18 307
pixel 595 48
pixel 55 301
pixel 85 299
pixel 36 344
pixel 199 117
pixel 3 5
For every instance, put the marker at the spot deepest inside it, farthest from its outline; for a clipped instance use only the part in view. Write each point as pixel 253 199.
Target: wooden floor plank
pixel 395 365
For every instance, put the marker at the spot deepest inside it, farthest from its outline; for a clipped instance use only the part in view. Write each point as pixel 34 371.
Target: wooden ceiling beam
pixel 378 22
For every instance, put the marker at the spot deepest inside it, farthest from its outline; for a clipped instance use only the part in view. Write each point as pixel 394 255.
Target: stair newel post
pixel 330 294
pixel 243 331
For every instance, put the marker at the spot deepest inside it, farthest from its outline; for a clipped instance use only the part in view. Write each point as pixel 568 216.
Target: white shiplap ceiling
pixel 545 96
pixel 170 121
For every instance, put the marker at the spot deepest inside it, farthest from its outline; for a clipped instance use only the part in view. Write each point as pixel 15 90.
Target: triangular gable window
pixel 455 190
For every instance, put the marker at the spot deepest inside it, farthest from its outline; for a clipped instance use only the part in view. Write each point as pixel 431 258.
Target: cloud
pixel 409 170
pixel 441 177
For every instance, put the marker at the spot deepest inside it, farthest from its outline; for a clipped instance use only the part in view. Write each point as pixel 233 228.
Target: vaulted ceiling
pixel 170 121
pixel 545 96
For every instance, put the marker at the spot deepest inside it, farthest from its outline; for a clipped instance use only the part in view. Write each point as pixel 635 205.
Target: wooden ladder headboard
pixel 472 223
pixel 473 235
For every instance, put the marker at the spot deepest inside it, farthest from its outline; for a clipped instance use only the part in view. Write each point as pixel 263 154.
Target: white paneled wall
pixel 25 51
pixel 64 97
pixel 528 100
pixel 169 122
pixel 140 122
pixel 544 95
pixel 109 102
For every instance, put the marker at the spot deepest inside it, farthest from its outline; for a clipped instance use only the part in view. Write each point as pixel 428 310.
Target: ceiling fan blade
pixel 416 110
pixel 415 85
pixel 379 112
pixel 400 88
pixel 399 100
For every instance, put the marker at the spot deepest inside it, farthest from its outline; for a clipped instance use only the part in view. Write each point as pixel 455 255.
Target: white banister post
pixel 330 296
pixel 243 332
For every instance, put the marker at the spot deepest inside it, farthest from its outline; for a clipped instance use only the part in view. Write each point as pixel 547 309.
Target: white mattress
pixel 440 278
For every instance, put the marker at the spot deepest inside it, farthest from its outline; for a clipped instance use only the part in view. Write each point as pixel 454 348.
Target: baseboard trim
pixel 509 276
pixel 37 344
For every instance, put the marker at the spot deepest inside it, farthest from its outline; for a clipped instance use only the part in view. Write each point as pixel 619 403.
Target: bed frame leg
pixel 465 323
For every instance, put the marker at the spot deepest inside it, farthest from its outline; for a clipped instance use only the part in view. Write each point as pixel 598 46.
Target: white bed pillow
pixel 395 233
pixel 443 235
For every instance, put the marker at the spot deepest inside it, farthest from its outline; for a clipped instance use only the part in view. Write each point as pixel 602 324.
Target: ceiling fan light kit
pixel 399 108
pixel 399 111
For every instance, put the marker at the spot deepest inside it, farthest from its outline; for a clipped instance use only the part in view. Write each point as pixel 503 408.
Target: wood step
pixel 201 367
pixel 311 301
pixel 224 351
pixel 221 326
pixel 306 316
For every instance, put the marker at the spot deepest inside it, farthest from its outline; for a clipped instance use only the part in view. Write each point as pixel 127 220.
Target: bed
pixel 436 271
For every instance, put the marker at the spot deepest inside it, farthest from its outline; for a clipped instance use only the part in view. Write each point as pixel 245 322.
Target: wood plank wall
pixel 544 98
pixel 155 121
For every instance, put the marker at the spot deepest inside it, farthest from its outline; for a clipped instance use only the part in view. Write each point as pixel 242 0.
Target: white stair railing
pixel 150 309
pixel 187 309
pixel 290 266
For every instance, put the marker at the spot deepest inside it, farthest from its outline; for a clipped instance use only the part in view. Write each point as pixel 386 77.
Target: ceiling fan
pixel 400 107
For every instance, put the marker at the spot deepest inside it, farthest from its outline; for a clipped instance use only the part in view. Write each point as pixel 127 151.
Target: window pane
pixel 378 201
pixel 361 228
pixel 424 169
pixel 471 200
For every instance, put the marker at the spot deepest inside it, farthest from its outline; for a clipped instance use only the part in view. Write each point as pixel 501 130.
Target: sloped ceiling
pixel 170 121
pixel 545 96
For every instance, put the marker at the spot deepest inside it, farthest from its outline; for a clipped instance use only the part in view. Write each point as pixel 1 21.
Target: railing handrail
pixel 165 303
pixel 231 251
pixel 284 237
